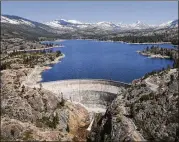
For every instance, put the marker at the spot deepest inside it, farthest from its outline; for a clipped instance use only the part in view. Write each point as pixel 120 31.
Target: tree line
pixel 171 52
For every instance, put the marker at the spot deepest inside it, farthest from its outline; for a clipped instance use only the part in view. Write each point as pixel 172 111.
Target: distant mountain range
pixel 75 29
pixel 73 24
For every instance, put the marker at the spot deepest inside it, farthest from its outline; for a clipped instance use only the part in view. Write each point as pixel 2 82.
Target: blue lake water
pixel 88 59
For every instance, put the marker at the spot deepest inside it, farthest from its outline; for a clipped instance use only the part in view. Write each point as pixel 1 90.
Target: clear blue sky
pixel 127 12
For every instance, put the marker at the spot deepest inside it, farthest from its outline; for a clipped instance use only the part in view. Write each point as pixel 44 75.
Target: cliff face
pixel 37 114
pixel 148 110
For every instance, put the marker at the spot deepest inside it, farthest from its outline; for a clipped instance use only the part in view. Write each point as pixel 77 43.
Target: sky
pixel 151 12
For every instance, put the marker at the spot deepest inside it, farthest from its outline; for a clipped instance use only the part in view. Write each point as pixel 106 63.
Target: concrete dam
pixel 94 94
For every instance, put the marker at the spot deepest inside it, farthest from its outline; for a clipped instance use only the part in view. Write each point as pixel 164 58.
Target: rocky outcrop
pixel 38 114
pixel 141 113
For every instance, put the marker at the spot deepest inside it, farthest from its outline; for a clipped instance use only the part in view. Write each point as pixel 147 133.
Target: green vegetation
pixel 118 118
pixel 171 52
pixel 45 120
pixel 68 129
pixel 58 53
pixel 27 32
pixel 175 42
pixel 141 39
pixel 28 59
pixel 153 72
pixel 28 135
pixel 147 97
pixel 61 103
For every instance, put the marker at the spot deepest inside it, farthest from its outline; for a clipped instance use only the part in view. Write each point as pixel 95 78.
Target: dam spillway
pixel 92 93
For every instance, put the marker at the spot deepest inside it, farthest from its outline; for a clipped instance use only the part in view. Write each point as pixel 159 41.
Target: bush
pixel 21 48
pixel 47 122
pixel 171 77
pixel 58 53
pixel 27 135
pixel 144 97
pixel 118 118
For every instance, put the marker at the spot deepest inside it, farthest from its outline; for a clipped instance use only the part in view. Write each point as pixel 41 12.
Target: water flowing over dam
pixel 94 94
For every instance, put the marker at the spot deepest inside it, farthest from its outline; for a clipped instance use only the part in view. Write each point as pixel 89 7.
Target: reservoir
pixel 90 59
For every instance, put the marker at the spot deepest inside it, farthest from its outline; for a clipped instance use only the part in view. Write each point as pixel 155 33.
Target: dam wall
pixel 92 93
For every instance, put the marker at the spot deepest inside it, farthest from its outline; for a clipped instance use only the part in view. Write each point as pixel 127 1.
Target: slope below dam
pixel 94 94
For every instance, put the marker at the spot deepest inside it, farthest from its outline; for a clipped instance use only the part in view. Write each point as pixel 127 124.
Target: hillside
pixel 35 113
pixel 146 111
pixel 14 26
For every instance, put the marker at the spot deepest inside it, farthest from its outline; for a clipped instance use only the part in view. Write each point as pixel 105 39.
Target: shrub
pixel 58 53
pixel 45 120
pixel 118 118
pixel 145 97
pixel 27 135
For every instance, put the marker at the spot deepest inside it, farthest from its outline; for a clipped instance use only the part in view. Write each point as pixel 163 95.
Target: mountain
pixel 66 24
pixel 169 24
pixel 107 26
pixel 140 25
pixel 66 29
pixel 16 20
pixel 15 26
pixel 61 24
pixel 74 25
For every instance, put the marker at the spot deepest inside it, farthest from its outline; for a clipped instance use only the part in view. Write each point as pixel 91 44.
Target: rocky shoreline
pixel 38 49
pixel 151 55
pixel 35 76
pixel 147 43
pixel 150 43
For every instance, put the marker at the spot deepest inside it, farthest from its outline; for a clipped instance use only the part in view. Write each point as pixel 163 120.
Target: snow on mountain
pixel 76 24
pixel 55 24
pixel 174 23
pixel 139 25
pixel 73 24
pixel 66 24
pixel 169 24
pixel 63 22
pixel 100 25
pixel 107 25
pixel 16 20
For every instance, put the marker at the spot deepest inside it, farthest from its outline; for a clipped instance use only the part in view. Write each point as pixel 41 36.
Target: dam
pixel 94 94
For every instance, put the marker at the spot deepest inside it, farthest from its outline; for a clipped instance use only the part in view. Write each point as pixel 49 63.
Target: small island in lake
pixel 158 52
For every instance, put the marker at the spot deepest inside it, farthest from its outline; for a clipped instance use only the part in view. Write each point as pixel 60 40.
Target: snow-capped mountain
pixel 100 25
pixel 16 20
pixel 137 25
pixel 109 25
pixel 77 24
pixel 17 23
pixel 74 22
pixel 66 24
pixel 169 24
pixel 140 25
pixel 14 26
pixel 72 25
pixel 63 22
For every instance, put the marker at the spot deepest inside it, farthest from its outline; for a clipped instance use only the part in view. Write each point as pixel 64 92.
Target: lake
pixel 89 59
